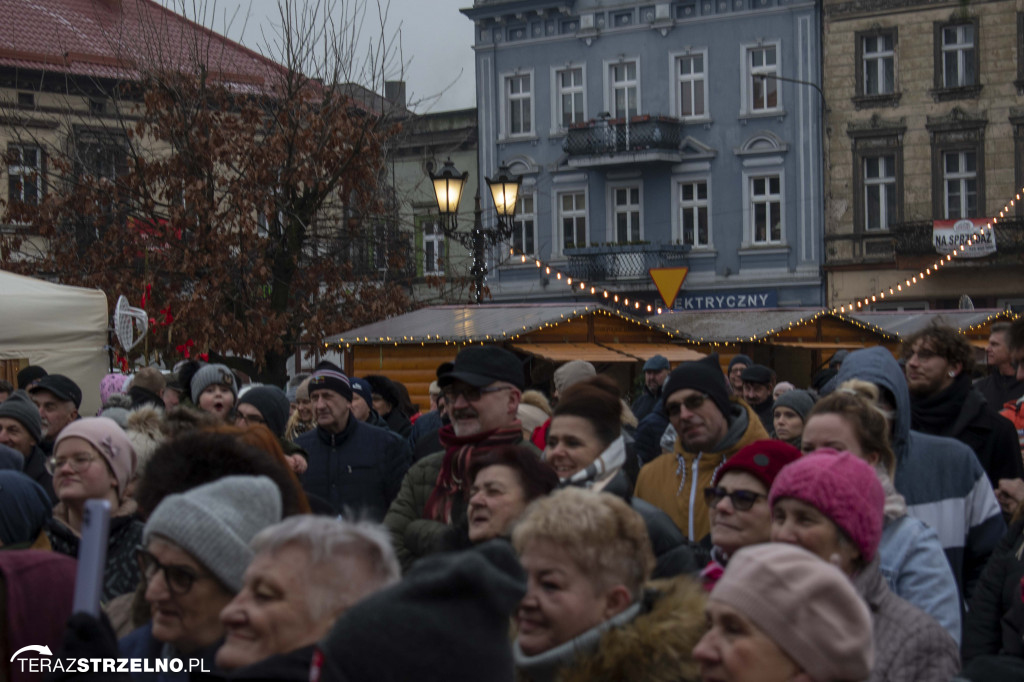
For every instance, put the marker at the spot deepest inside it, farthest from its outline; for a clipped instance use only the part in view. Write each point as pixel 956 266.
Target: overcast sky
pixel 435 39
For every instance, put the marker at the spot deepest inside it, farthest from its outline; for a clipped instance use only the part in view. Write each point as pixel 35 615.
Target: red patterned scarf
pixel 458 452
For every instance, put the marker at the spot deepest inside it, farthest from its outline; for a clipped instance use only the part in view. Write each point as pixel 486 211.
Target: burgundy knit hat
pixel 841 486
pixel 762 459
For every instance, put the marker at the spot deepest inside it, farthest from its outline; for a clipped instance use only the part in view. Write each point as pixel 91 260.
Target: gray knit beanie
pixel 798 400
pixel 212 374
pixel 571 373
pixel 215 523
pixel 21 408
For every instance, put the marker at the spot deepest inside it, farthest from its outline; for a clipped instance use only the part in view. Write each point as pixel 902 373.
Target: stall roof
pixel 564 352
pixel 470 323
pixel 643 351
pixel 738 326
pixel 905 323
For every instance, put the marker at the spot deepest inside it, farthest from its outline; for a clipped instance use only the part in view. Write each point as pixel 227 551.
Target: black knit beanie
pixel 704 375
pixel 273 405
pixel 447 620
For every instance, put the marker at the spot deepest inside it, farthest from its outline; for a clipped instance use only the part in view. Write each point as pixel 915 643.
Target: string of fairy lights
pixel 843 312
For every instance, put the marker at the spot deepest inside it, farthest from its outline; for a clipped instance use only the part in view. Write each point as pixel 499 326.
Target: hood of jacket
pixel 878 366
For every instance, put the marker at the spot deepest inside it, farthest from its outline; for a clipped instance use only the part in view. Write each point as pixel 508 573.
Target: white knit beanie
pixel 215 522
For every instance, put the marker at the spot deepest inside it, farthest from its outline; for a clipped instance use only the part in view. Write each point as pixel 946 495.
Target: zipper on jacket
pixel 693 492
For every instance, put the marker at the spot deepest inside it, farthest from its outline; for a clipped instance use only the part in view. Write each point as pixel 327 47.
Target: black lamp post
pixel 449 186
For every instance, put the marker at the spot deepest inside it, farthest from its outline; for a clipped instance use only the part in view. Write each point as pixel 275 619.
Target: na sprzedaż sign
pixel 949 235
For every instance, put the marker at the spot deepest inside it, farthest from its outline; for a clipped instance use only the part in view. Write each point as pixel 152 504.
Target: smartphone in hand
pixel 92 557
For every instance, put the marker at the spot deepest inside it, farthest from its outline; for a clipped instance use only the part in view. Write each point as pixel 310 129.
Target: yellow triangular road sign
pixel 668 281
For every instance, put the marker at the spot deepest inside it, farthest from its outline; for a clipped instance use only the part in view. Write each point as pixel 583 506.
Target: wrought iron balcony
pixel 622 262
pixel 607 141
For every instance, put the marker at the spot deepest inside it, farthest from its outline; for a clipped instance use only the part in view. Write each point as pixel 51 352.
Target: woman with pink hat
pixel 831 504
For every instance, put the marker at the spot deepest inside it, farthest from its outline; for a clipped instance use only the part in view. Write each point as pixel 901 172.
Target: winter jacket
pixel 398 422
pixel 671 550
pixel 675 482
pixel 644 403
pixel 35 468
pixel 121 571
pixel 652 641
pixel 995 622
pixel 359 469
pixel 909 644
pixel 915 568
pixel 412 535
pixel 1014 411
pixel 289 667
pixel 648 434
pixel 999 389
pixel 940 478
pixel 978 426
pixel 140 643
pixel 428 421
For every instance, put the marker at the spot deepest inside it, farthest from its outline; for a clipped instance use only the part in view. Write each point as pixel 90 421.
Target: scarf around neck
pixel 938 413
pixel 458 451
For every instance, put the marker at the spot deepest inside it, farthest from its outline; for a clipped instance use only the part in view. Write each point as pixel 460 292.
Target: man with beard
pixel 758 384
pixel 58 399
pixel 944 403
pixel 358 468
pixel 711 427
pixel 482 393
pixel 656 370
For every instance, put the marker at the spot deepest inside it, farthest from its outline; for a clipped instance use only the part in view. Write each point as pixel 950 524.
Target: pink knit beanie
pixel 110 440
pixel 841 486
pixel 109 385
pixel 803 604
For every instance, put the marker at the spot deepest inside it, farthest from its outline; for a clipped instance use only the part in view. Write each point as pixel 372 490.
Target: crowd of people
pixel 725 526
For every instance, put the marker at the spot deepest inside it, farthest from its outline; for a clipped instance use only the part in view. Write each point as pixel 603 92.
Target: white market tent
pixel 61 328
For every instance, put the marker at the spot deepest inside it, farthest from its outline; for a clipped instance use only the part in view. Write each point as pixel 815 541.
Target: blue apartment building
pixel 656 134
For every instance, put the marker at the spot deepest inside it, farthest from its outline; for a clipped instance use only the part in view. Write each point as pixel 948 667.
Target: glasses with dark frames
pixel 470 393
pixel 742 500
pixel 691 403
pixel 179 579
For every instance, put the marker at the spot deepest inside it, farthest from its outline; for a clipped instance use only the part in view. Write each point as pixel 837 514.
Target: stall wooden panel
pixel 414 366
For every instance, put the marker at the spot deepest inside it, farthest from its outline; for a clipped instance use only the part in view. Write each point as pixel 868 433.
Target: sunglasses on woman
pixel 742 500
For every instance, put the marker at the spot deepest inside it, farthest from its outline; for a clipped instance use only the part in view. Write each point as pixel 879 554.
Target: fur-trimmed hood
pixel 655 646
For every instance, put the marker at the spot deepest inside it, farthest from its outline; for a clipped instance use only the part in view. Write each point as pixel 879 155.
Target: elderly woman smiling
pixel 307 571
pixel 586 614
pixel 196 551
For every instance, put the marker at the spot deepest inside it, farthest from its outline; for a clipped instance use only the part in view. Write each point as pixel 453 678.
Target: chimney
pixel 394 93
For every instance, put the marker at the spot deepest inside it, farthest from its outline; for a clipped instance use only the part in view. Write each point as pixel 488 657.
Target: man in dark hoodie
pixel 944 403
pixel 940 478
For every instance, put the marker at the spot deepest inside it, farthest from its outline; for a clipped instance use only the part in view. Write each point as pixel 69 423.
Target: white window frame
pixel 433 234
pixel 961 177
pixel 559 237
pixel 610 89
pixel 614 210
pixel 749 229
pixel 960 48
pixel 681 208
pixel 557 91
pixel 22 171
pixel 507 99
pixel 885 185
pixel 874 61
pixel 675 107
pixel 747 73
pixel 522 218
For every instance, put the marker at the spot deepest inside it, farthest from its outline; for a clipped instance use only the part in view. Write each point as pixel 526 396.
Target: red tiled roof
pixel 111 38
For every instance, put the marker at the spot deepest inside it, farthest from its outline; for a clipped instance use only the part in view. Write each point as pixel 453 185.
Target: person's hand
pixel 298 463
pixel 1010 494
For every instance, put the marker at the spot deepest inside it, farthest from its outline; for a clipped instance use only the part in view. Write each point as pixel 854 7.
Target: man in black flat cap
pixel 758 384
pixel 482 392
pixel 58 399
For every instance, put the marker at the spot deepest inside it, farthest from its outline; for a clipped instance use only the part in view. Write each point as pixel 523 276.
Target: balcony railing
pixel 605 141
pixel 625 262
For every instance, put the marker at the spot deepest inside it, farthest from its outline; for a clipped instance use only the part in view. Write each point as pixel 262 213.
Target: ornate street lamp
pixel 449 186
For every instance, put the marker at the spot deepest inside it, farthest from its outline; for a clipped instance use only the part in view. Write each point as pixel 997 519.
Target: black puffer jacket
pixel 359 469
pixel 995 622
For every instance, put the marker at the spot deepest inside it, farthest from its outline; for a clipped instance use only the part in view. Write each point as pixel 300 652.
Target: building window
pixel 958 165
pixel 691 85
pixel 878 59
pixel 1020 60
pixel 569 96
pixel 762 67
pixel 572 215
pixel 693 213
pixel 519 105
pixel 524 232
pixel 433 249
pixel 626 214
pixel 766 209
pixel 624 89
pixel 960 184
pixel 24 174
pixel 879 192
pixel 956 60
